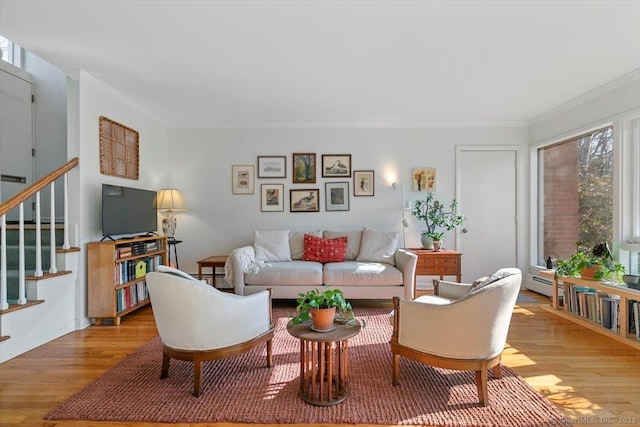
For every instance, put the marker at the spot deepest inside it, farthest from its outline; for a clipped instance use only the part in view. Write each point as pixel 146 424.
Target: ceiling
pixel 335 63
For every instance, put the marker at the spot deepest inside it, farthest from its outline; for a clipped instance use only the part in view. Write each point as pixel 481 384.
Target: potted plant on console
pixel 436 217
pixel 320 308
pixel 591 264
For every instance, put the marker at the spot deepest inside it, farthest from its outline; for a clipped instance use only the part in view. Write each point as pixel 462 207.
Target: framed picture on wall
pixel 363 183
pixel 272 166
pixel 272 197
pixel 242 179
pixel 336 165
pixel 424 179
pixel 304 168
pixel 337 195
pixel 306 200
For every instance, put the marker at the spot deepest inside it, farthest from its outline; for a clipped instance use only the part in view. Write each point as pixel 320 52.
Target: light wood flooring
pixel 592 379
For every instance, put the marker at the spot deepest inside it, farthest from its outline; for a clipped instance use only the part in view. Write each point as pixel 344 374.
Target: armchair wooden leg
pixel 165 366
pixel 269 353
pixel 396 369
pixel 197 376
pixel 497 370
pixel 481 384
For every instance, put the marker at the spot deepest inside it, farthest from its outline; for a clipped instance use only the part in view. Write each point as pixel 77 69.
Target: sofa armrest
pixel 406 262
pixel 240 259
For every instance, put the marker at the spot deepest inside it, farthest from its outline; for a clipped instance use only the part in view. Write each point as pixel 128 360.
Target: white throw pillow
pixel 272 245
pixel 296 242
pixel 378 246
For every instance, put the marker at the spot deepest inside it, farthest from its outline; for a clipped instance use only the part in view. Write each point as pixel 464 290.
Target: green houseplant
pixel 314 303
pixel 436 218
pixel 596 264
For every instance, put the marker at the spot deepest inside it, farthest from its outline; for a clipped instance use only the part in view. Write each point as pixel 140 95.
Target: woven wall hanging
pixel 119 149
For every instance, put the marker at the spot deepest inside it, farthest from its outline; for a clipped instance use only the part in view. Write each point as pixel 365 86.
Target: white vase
pixel 437 245
pixel 427 242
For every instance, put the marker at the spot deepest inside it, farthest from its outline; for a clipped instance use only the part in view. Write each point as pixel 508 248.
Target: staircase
pixel 38 290
pixel 13 237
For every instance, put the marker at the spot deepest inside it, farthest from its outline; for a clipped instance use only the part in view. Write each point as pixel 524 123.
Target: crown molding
pixel 344 125
pixel 589 96
pixel 79 74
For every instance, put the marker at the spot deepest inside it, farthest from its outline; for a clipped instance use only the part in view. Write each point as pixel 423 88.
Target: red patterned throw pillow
pixel 324 250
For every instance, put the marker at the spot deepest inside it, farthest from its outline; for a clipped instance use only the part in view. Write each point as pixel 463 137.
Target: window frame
pixel 536 194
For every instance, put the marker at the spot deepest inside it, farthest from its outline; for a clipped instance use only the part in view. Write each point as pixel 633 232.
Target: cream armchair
pixel 464 328
pixel 198 323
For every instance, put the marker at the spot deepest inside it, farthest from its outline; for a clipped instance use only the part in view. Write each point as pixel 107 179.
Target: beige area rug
pixel 243 390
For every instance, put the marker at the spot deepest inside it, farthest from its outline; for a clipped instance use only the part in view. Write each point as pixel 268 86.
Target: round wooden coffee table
pixel 323 362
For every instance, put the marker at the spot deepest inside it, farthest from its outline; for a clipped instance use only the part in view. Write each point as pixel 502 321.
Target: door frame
pixel 520 175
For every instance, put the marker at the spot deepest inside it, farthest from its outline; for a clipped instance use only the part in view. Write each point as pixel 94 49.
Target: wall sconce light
pixel 170 200
pixel 405 206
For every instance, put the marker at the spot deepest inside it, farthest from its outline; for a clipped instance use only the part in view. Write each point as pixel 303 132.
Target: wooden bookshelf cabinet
pixel 561 306
pixel 116 275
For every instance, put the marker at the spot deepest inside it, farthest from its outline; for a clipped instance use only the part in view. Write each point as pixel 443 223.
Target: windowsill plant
pixel 596 264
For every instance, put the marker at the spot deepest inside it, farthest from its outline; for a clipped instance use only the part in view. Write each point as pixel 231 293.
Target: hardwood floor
pixel 590 378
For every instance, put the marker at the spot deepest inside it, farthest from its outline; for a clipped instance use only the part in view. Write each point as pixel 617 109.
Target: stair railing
pixel 17 201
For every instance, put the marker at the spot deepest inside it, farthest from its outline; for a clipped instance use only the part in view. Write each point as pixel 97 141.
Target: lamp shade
pixel 170 200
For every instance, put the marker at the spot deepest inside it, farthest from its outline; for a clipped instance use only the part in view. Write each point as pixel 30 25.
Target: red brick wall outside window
pixel 575 194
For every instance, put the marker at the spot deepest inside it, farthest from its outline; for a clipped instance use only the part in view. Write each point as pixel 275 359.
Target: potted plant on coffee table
pixel 436 217
pixel 320 307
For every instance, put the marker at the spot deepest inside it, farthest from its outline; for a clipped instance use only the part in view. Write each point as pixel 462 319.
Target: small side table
pixel 171 241
pixel 323 362
pixel 215 261
pixel 437 263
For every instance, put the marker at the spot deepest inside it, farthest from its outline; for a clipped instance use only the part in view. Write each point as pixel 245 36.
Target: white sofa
pixel 373 267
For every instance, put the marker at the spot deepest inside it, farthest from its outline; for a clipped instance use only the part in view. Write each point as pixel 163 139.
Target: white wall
pixel 90 99
pixel 217 221
pixel 50 123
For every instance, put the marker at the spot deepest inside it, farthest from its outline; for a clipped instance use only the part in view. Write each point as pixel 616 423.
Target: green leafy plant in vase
pixel 437 218
pixel 591 264
pixel 320 308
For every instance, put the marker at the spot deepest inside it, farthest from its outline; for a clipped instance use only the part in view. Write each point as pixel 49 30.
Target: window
pixel 575 188
pixel 10 52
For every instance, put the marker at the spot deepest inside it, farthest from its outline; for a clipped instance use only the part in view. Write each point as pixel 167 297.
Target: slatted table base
pixel 323 372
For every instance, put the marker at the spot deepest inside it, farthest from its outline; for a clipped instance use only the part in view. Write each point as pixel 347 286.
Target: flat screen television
pixel 128 210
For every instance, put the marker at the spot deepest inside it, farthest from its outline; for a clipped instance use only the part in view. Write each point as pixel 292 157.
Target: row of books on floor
pixel 128 271
pixel 131 295
pixel 136 248
pixel 601 307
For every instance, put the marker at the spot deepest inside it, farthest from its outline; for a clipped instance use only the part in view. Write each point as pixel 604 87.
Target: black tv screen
pixel 128 210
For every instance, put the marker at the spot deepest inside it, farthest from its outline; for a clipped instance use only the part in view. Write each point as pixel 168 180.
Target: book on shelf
pixel 634 318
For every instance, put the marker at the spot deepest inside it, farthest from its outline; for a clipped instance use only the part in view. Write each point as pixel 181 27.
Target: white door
pixel 16 139
pixel 487 196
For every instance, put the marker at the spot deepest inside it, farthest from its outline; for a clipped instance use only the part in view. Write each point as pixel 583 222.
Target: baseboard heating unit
pixel 538 284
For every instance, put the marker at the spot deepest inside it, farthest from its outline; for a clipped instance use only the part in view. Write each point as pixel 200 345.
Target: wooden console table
pixel 323 362
pixel 437 263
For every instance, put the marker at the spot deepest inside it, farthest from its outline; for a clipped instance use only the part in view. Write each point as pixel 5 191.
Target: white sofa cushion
pixel 353 241
pixel 272 245
pixel 378 246
pixel 286 273
pixel 351 273
pixel 296 242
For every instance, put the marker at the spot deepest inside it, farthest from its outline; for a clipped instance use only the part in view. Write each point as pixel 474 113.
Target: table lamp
pixel 170 201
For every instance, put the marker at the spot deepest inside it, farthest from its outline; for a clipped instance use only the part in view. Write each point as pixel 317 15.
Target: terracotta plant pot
pixel 590 272
pixel 322 318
